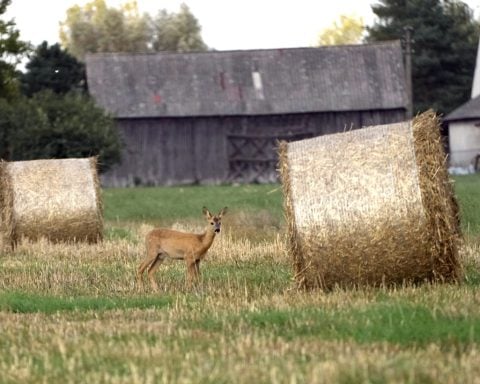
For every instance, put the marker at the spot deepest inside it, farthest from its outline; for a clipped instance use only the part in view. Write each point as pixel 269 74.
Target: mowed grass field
pixel 72 313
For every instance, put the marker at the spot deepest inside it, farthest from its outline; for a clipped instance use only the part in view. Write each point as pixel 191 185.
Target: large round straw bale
pixel 373 206
pixel 54 199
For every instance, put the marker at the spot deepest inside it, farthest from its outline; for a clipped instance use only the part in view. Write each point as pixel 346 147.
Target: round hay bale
pixel 373 206
pixel 6 205
pixel 54 199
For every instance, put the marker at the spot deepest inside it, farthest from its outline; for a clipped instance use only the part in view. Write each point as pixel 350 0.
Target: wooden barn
pixel 215 117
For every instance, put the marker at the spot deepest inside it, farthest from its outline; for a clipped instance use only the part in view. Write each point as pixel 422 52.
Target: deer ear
pixel 206 212
pixel 223 211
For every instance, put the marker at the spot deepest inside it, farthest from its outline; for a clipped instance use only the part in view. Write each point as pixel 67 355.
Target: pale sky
pixel 226 24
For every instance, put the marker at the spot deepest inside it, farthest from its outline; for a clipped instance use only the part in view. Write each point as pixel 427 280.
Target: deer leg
pixel 152 254
pixel 152 268
pixel 197 269
pixel 191 271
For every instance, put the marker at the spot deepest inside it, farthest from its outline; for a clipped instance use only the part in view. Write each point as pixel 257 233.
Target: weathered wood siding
pixel 189 150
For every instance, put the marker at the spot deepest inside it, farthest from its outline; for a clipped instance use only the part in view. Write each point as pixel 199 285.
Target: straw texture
pixel 54 199
pixel 371 207
pixel 6 206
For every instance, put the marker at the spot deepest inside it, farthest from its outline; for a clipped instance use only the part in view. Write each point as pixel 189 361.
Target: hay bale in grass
pixel 54 199
pixel 373 206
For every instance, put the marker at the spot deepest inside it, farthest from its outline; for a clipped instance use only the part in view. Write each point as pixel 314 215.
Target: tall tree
pixel 178 32
pixel 96 27
pixel 51 67
pixel 445 39
pixel 347 30
pixel 12 50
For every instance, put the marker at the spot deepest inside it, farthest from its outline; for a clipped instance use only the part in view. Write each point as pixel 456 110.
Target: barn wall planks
pixel 190 150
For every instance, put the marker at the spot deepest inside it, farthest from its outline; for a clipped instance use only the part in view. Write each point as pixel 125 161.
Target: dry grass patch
pixel 109 268
pixel 158 346
pixel 246 323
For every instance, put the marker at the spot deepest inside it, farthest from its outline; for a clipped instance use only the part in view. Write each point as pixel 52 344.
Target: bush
pixel 50 126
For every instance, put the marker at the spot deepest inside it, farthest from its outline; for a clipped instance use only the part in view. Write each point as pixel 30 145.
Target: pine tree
pixel 445 39
pixel 52 67
pixel 12 50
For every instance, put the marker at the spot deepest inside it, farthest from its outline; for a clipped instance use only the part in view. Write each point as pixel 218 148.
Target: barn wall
pixel 172 151
pixel 169 152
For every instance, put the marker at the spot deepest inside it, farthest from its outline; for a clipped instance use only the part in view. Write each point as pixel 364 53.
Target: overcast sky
pixel 226 24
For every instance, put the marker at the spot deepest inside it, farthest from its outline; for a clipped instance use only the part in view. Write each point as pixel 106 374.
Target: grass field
pixel 72 313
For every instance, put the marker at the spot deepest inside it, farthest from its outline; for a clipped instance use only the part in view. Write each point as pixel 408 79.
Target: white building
pixel 464 127
pixel 464 134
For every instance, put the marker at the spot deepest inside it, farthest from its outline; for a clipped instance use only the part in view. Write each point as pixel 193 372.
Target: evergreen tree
pixel 53 68
pixel 12 50
pixel 445 39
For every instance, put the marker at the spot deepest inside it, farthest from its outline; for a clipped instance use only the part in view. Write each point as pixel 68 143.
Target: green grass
pixel 467 189
pixel 181 203
pixel 22 302
pixel 118 233
pixel 170 204
pixel 394 322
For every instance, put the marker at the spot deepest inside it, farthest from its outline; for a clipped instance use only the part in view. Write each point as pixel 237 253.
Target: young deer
pixel 162 243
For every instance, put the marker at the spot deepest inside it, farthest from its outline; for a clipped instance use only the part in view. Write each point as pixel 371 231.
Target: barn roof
pixel 468 111
pixel 253 82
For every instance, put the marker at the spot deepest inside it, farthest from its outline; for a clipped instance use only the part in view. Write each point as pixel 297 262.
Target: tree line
pixel 46 111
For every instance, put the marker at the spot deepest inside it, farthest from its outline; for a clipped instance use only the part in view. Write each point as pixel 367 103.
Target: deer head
pixel 215 221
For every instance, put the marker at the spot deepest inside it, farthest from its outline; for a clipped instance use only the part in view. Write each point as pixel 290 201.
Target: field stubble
pixel 245 323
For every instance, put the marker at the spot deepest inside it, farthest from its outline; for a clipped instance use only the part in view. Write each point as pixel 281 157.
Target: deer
pixel 162 243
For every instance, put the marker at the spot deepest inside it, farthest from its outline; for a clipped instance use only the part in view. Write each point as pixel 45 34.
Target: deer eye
pixel 212 223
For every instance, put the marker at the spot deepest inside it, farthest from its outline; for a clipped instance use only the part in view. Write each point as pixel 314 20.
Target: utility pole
pixel 408 70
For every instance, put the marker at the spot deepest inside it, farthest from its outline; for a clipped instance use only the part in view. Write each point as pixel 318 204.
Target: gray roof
pixel 468 111
pixel 254 82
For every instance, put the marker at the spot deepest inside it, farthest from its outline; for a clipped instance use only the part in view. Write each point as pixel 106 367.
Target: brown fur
pixel 190 247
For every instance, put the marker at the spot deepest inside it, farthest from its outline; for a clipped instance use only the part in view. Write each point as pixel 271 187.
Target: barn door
pixel 253 158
